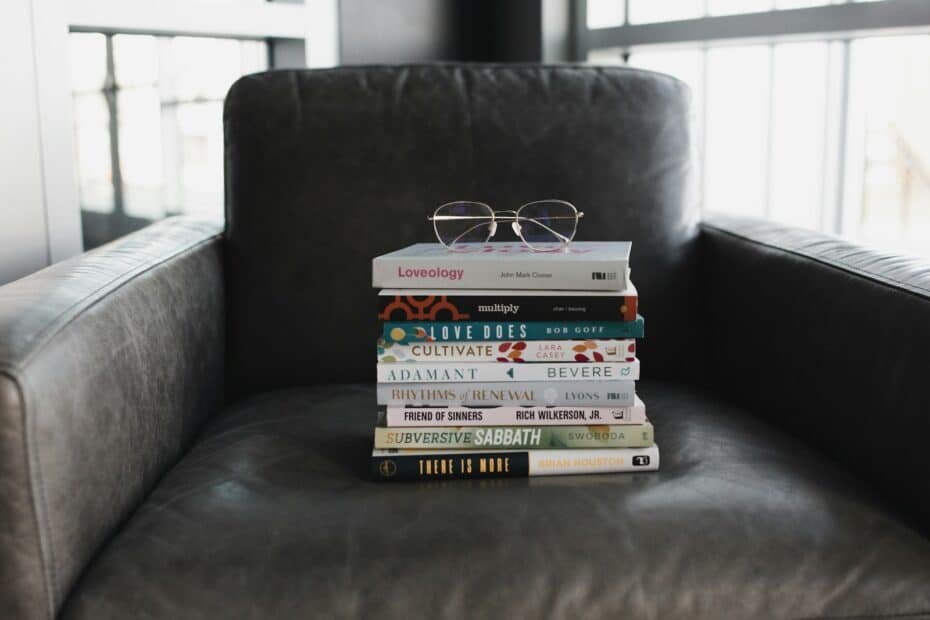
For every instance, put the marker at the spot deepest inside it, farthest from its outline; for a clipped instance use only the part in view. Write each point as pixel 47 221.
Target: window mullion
pixel 110 91
pixel 840 177
pixel 702 129
pixel 769 130
pixel 171 151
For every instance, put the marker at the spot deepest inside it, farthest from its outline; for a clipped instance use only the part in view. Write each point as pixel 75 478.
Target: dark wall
pixel 500 30
pixel 392 31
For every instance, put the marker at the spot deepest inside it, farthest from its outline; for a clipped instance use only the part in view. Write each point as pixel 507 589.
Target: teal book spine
pixel 464 331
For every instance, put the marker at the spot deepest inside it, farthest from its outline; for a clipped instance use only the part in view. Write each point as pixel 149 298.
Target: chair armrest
pixel 109 362
pixel 828 339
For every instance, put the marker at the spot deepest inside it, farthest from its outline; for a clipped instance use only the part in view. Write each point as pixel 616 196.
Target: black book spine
pixel 474 465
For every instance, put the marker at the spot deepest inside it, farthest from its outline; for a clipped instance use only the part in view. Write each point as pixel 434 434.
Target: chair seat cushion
pixel 272 514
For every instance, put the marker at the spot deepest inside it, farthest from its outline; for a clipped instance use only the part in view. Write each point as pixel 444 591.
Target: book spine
pixel 535 393
pixel 452 372
pixel 537 437
pixel 520 273
pixel 509 351
pixel 506 308
pixel 467 331
pixel 513 416
pixel 391 465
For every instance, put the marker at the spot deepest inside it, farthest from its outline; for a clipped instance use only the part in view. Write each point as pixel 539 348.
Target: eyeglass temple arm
pixel 454 241
pixel 554 232
pixel 483 218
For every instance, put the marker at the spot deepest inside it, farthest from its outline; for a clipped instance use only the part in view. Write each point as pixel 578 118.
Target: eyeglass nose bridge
pixel 506 215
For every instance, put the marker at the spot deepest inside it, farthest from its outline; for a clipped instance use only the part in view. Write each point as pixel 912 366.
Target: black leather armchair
pixel 185 414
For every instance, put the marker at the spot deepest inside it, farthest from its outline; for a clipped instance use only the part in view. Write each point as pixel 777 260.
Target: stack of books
pixel 501 361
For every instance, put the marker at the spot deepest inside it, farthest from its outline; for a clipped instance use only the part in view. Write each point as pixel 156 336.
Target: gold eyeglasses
pixel 543 225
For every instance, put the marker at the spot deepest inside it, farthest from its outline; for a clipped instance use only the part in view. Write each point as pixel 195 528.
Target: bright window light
pixel 164 101
pixel 798 133
pixel 736 133
pixel 799 4
pixel 887 191
pixel 733 7
pixel 604 13
pixel 651 11
pixel 831 135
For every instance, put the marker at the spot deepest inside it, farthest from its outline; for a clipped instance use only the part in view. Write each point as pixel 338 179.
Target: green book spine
pixel 515 437
pixel 464 331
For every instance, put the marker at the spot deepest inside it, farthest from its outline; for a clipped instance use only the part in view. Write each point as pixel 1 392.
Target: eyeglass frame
pixel 514 219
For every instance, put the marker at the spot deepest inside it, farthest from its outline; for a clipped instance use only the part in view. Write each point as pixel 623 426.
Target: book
pixel 514 305
pixel 581 266
pixel 536 437
pixel 400 416
pixel 403 465
pixel 457 372
pixel 580 393
pixel 466 331
pixel 530 351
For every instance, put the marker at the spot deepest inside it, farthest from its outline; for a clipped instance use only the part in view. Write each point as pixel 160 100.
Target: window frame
pixel 43 105
pixel 841 22
pixel 819 23
pixel 117 221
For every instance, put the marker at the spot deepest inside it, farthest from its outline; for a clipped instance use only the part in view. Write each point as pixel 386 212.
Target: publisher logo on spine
pixel 603 275
pixel 387 468
pixel 641 460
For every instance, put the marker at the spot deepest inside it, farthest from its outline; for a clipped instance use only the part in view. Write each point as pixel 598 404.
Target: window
pixel 825 131
pixel 118 113
pixel 651 11
pixel 888 143
pixel 148 125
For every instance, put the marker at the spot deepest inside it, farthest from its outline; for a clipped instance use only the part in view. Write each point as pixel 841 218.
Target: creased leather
pixel 829 338
pixel 109 362
pixel 22 581
pixel 272 515
pixel 327 169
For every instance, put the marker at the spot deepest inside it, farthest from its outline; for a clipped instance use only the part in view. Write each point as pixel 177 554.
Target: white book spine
pixel 492 371
pixel 511 351
pixel 573 393
pixel 514 416
pixel 592 461
pixel 517 273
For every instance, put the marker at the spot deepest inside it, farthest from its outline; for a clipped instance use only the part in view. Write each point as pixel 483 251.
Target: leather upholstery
pixel 109 362
pixel 327 169
pixel 272 515
pixel 830 339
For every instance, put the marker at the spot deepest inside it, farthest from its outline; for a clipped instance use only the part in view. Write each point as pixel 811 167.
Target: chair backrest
pixel 326 169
